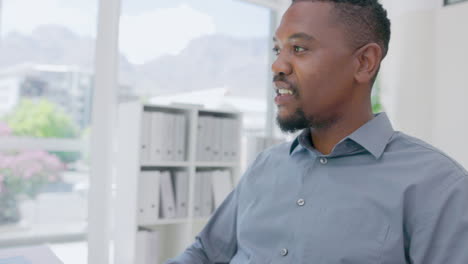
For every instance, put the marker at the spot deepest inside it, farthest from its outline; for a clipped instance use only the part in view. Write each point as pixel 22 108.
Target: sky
pixel 148 28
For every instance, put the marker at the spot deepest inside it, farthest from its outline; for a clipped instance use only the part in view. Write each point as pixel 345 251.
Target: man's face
pixel 315 63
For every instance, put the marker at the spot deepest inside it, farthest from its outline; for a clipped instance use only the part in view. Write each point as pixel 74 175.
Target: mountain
pixel 47 45
pixel 211 62
pixel 207 62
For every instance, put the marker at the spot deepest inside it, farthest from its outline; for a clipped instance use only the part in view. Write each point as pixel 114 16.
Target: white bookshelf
pixel 175 234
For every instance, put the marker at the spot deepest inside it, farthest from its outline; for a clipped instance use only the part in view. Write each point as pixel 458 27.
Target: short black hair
pixel 367 21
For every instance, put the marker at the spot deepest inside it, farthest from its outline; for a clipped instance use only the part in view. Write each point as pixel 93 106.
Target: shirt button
pixel 323 160
pixel 300 202
pixel 284 252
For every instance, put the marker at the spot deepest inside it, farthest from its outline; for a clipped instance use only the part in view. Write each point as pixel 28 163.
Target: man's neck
pixel 325 139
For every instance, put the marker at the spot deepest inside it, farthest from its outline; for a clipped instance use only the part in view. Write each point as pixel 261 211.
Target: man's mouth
pixel 283 91
pixel 284 94
pixel 284 88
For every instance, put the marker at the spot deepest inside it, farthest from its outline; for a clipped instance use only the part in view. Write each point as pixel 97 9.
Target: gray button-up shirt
pixel 380 197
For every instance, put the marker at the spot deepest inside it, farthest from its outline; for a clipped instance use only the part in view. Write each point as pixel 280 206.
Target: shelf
pixel 131 161
pixel 166 164
pixel 169 221
pixel 216 164
pixel 205 111
pixel 201 219
pixel 175 221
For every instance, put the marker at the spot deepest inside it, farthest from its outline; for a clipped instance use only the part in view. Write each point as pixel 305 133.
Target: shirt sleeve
pixel 217 242
pixel 442 237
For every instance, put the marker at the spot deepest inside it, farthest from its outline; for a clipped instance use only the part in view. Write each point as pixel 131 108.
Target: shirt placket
pixel 307 208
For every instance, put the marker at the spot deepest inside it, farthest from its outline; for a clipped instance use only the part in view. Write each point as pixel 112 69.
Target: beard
pixel 291 124
pixel 299 120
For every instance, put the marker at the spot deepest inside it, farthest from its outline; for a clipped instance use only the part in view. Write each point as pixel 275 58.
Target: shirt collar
pixel 373 136
pixel 295 144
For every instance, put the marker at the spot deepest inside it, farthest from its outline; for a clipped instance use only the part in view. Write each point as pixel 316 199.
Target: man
pixel 349 189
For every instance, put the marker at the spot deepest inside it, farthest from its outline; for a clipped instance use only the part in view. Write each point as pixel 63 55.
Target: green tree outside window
pixel 43 119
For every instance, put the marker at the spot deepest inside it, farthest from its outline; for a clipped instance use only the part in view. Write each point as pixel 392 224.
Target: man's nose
pixel 281 65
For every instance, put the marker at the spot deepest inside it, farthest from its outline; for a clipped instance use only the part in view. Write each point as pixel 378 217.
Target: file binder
pixel 148 197
pixel 206 194
pixel 167 196
pixel 181 190
pixel 145 137
pixel 156 137
pixel 201 133
pixel 222 185
pixel 197 196
pixel 180 142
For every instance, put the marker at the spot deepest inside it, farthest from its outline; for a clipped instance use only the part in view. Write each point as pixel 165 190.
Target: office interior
pixel 78 78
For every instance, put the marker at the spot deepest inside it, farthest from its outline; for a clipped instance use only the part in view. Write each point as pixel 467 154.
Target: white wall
pixel 425 76
pixel 396 8
pixel 408 73
pixel 451 119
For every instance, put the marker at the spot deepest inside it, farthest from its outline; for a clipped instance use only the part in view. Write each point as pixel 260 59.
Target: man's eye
pixel 298 49
pixel 276 51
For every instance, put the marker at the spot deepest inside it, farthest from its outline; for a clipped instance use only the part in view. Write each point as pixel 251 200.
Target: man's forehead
pixel 303 20
pixel 299 36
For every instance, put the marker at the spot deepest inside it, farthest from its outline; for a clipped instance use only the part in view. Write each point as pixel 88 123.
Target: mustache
pixel 282 78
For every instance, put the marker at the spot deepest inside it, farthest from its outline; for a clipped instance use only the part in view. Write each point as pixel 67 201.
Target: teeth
pixel 284 91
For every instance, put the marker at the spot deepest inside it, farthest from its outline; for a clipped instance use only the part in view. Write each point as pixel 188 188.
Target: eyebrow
pixel 295 36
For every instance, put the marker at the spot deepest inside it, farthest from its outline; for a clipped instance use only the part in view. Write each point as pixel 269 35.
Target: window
pixel 46 73
pixel 209 55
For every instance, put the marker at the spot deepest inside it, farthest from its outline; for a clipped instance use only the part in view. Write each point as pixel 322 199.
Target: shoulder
pixel 427 173
pixel 419 151
pixel 431 177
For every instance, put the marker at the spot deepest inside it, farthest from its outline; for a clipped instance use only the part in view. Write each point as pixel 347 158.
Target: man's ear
pixel 368 60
